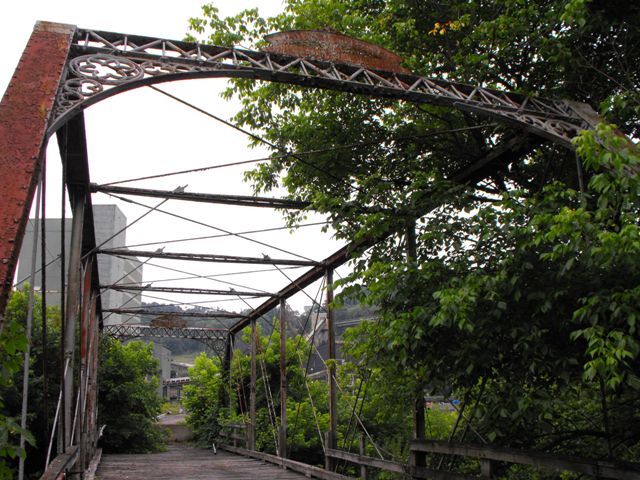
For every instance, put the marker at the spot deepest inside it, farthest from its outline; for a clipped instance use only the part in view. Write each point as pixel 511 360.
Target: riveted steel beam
pixel 205 257
pixel 150 311
pixel 190 291
pixel 25 111
pixel 240 200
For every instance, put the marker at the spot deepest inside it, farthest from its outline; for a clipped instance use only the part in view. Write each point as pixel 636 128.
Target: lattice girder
pixel 102 64
pixel 214 338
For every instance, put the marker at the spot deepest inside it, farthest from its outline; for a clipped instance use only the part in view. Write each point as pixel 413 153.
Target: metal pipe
pixel 331 371
pixel 252 391
pixel 55 418
pixel 43 294
pixel 27 353
pixel 283 378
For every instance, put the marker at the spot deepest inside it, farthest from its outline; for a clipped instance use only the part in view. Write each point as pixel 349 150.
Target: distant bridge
pixel 214 338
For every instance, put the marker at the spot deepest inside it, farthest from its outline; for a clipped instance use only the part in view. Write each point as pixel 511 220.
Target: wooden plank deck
pixel 185 462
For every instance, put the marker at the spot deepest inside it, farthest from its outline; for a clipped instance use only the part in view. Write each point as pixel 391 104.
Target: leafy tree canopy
pixel 522 293
pixel 128 398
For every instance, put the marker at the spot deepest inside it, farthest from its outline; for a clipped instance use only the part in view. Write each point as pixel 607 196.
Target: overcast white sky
pixel 143 133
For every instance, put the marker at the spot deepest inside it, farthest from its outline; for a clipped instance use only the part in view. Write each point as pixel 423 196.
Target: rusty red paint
pixel 24 112
pixel 334 47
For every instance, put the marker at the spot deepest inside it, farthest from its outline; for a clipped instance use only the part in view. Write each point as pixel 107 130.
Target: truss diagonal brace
pixel 497 158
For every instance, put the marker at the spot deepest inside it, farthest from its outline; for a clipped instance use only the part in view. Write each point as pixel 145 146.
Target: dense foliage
pixel 367 392
pixel 522 297
pixel 41 408
pixel 128 398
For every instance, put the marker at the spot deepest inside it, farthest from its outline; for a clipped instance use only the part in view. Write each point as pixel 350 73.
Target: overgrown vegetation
pixel 374 397
pixel 128 397
pixel 522 298
pixel 40 411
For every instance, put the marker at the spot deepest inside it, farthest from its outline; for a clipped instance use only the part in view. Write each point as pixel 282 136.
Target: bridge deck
pixel 187 462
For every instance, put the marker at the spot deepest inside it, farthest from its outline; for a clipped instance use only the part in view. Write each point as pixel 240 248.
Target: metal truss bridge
pixel 214 338
pixel 65 69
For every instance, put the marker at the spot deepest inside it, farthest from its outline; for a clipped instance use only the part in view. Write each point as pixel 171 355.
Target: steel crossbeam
pixel 205 257
pixel 103 64
pixel 240 200
pixel 215 338
pixel 191 291
pixel 149 311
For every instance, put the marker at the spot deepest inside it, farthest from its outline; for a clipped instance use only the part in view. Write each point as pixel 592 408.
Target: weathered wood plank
pixel 185 461
pixel 307 470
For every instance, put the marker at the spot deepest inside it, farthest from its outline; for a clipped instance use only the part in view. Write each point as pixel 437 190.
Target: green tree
pixel 522 298
pixel 40 409
pixel 128 398
pixel 200 399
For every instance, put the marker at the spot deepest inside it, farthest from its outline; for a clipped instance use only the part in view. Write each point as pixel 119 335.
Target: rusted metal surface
pixel 168 320
pixel 206 257
pixel 24 113
pixel 334 47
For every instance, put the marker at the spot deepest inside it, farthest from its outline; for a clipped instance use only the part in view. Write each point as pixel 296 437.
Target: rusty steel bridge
pixel 65 70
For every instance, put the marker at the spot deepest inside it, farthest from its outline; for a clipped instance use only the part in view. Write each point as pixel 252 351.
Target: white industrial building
pixel 108 219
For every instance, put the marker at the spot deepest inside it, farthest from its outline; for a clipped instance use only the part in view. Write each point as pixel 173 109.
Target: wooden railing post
pixel 363 468
pixel 486 468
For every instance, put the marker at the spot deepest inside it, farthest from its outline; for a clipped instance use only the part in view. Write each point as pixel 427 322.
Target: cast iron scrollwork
pixel 106 69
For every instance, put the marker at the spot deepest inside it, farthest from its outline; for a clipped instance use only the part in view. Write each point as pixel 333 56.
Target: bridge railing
pixel 488 457
pixel 234 433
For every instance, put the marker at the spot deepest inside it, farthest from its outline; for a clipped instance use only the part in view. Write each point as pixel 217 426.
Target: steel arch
pixel 103 64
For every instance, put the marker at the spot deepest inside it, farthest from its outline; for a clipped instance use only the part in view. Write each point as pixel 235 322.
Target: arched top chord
pixel 103 64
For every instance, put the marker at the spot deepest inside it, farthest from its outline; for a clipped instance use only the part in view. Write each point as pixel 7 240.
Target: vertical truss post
pixel 224 396
pixel 419 458
pixel 85 347
pixel 331 373
pixel 92 401
pixel 283 378
pixel 25 110
pixel 252 391
pixel 72 310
